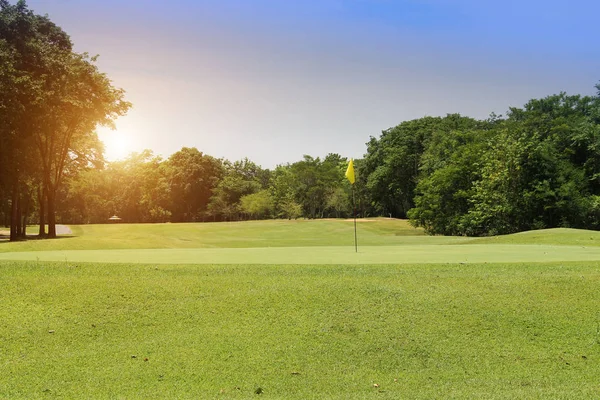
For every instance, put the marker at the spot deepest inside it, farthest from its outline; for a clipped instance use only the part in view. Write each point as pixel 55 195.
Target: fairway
pixel 381 241
pixel 403 254
pixel 305 202
pixel 287 309
pixel 150 331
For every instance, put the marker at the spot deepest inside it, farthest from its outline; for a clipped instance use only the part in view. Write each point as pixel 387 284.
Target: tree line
pixel 537 167
pixel 190 186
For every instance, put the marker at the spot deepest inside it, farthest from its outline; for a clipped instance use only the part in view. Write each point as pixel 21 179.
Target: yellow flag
pixel 350 172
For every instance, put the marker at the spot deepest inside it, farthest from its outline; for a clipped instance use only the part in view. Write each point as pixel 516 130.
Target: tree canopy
pixel 54 100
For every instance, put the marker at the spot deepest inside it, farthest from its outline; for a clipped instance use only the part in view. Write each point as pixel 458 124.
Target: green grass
pixel 514 316
pixel 340 255
pixel 381 241
pixel 490 331
pixel 556 236
pixel 273 233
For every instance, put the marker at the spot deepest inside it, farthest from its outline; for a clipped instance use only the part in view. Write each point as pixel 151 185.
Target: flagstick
pixel 354 208
pixel 350 175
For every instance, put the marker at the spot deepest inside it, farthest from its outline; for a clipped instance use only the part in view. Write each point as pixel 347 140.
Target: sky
pixel 272 80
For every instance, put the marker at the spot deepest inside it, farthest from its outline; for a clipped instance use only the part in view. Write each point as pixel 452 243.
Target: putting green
pixel 409 254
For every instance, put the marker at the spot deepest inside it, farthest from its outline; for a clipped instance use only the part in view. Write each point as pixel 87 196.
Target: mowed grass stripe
pixel 341 255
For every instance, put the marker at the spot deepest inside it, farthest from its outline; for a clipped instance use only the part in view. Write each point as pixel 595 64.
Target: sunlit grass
pixel 299 332
pixel 338 255
pixel 347 328
pixel 271 233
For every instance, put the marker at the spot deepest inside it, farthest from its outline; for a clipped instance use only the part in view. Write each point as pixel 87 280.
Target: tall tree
pixel 63 136
pixel 19 92
pixel 63 98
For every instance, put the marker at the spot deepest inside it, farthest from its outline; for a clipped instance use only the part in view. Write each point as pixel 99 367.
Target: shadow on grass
pixel 6 238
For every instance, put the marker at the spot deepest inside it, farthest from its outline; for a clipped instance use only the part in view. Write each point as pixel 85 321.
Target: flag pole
pixel 351 178
pixel 354 208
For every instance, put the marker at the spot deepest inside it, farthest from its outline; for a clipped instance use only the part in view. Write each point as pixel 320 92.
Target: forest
pixel 535 167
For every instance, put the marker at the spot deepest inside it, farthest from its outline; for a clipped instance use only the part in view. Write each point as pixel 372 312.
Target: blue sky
pixel 272 80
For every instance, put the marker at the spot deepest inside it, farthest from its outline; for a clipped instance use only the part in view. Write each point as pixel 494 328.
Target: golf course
pixel 288 310
pixel 306 200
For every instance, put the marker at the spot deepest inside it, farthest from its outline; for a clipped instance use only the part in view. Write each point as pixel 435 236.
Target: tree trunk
pixel 42 203
pixel 51 195
pixel 19 214
pixel 24 229
pixel 25 215
pixel 14 234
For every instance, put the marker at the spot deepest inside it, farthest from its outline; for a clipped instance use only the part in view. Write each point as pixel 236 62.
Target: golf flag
pixel 350 172
pixel 350 176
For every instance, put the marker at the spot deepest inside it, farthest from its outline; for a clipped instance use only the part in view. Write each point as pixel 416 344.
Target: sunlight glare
pixel 118 145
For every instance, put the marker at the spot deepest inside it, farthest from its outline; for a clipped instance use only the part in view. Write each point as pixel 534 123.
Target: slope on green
pixel 107 331
pixel 555 236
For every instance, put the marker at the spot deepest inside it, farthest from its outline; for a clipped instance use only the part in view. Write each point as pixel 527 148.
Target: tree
pixel 338 201
pixel 21 44
pixel 258 205
pixel 241 178
pixel 193 177
pixel 64 134
pixel 392 163
pixel 312 180
pixel 450 166
pixel 63 97
pixel 283 193
pixel 141 188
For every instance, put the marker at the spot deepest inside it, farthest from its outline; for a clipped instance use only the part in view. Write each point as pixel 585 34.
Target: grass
pixel 340 255
pixel 347 328
pixel 381 241
pixel 299 332
pixel 273 233
pixel 556 236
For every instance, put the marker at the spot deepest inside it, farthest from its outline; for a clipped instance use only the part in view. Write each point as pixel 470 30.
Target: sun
pixel 117 145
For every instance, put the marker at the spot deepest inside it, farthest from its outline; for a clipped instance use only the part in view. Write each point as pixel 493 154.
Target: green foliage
pixel 258 205
pixel 290 209
pixel 450 165
pixel 317 186
pixel 339 201
pixel 283 193
pixel 310 186
pixel 393 161
pixel 364 205
pixel 192 177
pixel 537 168
pixel 52 100
pixel 241 178
pixel 534 175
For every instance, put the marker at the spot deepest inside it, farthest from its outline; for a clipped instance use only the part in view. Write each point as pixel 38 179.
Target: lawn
pixel 272 233
pixel 381 241
pixel 495 330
